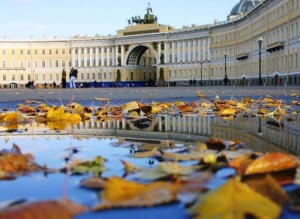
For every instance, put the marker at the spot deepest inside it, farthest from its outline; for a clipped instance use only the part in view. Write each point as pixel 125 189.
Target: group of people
pixel 72 78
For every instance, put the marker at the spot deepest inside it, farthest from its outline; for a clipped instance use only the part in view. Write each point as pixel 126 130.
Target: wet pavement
pixel 144 93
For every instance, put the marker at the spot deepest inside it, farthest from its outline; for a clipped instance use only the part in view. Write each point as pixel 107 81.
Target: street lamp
pixel 259 41
pixel 225 77
pixel 259 131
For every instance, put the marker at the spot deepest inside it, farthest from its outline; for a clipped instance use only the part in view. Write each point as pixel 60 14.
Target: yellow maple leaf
pixel 119 192
pixel 234 200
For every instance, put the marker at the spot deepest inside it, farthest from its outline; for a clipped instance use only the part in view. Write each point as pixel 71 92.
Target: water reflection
pixel 259 133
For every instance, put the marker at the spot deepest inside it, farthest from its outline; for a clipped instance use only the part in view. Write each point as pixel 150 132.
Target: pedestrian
pixel 54 84
pixel 73 76
pixel 64 78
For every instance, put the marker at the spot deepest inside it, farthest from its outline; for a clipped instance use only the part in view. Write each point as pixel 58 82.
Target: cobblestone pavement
pixel 146 93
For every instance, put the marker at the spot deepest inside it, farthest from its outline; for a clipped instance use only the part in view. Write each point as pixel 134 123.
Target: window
pixel 50 77
pixel 3 64
pixel 44 77
pixel 56 64
pixel 50 52
pixel 21 52
pixel 28 64
pixel 93 76
pixel 50 63
pixel 4 78
pixel 43 52
pixel 63 51
pixel 56 51
pixel 13 77
pixel 43 64
pixel 22 77
pixel 13 52
pixel 104 76
pixel 35 52
pixel 28 52
pixel 3 52
pixel 99 75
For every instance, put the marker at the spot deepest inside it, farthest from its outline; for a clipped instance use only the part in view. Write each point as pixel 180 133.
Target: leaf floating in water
pixel 14 163
pixel 82 167
pixel 63 209
pixel 234 200
pixel 122 193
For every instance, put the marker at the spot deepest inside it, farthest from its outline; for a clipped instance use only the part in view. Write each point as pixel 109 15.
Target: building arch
pixel 135 52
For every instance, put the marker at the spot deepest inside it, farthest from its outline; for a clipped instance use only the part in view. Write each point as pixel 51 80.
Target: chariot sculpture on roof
pixel 149 18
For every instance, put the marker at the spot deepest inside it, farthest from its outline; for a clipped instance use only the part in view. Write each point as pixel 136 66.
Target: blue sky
pixel 66 18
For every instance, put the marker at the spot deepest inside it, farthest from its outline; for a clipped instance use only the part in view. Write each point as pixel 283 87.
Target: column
pixel 208 48
pixel 122 55
pixel 79 57
pixel 159 53
pixel 183 51
pixel 91 57
pixel 166 52
pixel 84 57
pixel 178 52
pixel 203 50
pixel 189 50
pixel 173 52
pixel 102 56
pixel 194 50
pixel 199 51
pixel 107 56
pixel 116 55
pixel 96 57
pixel 73 57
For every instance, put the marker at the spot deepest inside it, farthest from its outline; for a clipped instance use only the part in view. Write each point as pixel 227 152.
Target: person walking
pixel 72 78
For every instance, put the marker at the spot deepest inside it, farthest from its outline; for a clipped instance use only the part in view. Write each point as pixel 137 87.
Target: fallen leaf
pixel 269 187
pixel 63 209
pixel 82 167
pixel 234 200
pixel 119 192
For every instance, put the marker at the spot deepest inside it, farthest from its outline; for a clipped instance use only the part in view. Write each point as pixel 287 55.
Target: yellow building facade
pixel 147 53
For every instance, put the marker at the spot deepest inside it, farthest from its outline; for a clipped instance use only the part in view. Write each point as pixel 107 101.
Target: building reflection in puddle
pixel 258 133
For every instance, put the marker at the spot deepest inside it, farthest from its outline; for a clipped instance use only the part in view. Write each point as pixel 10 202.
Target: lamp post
pixel 201 82
pixel 225 77
pixel 259 41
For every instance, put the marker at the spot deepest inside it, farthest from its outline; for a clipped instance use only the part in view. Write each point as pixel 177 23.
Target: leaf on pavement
pixel 119 192
pixel 234 200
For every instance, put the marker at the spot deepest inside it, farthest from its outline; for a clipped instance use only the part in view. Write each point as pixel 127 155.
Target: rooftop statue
pixel 149 18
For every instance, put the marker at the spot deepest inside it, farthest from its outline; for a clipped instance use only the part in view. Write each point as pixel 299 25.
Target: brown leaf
pixel 63 209
pixel 13 162
pixel 269 187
